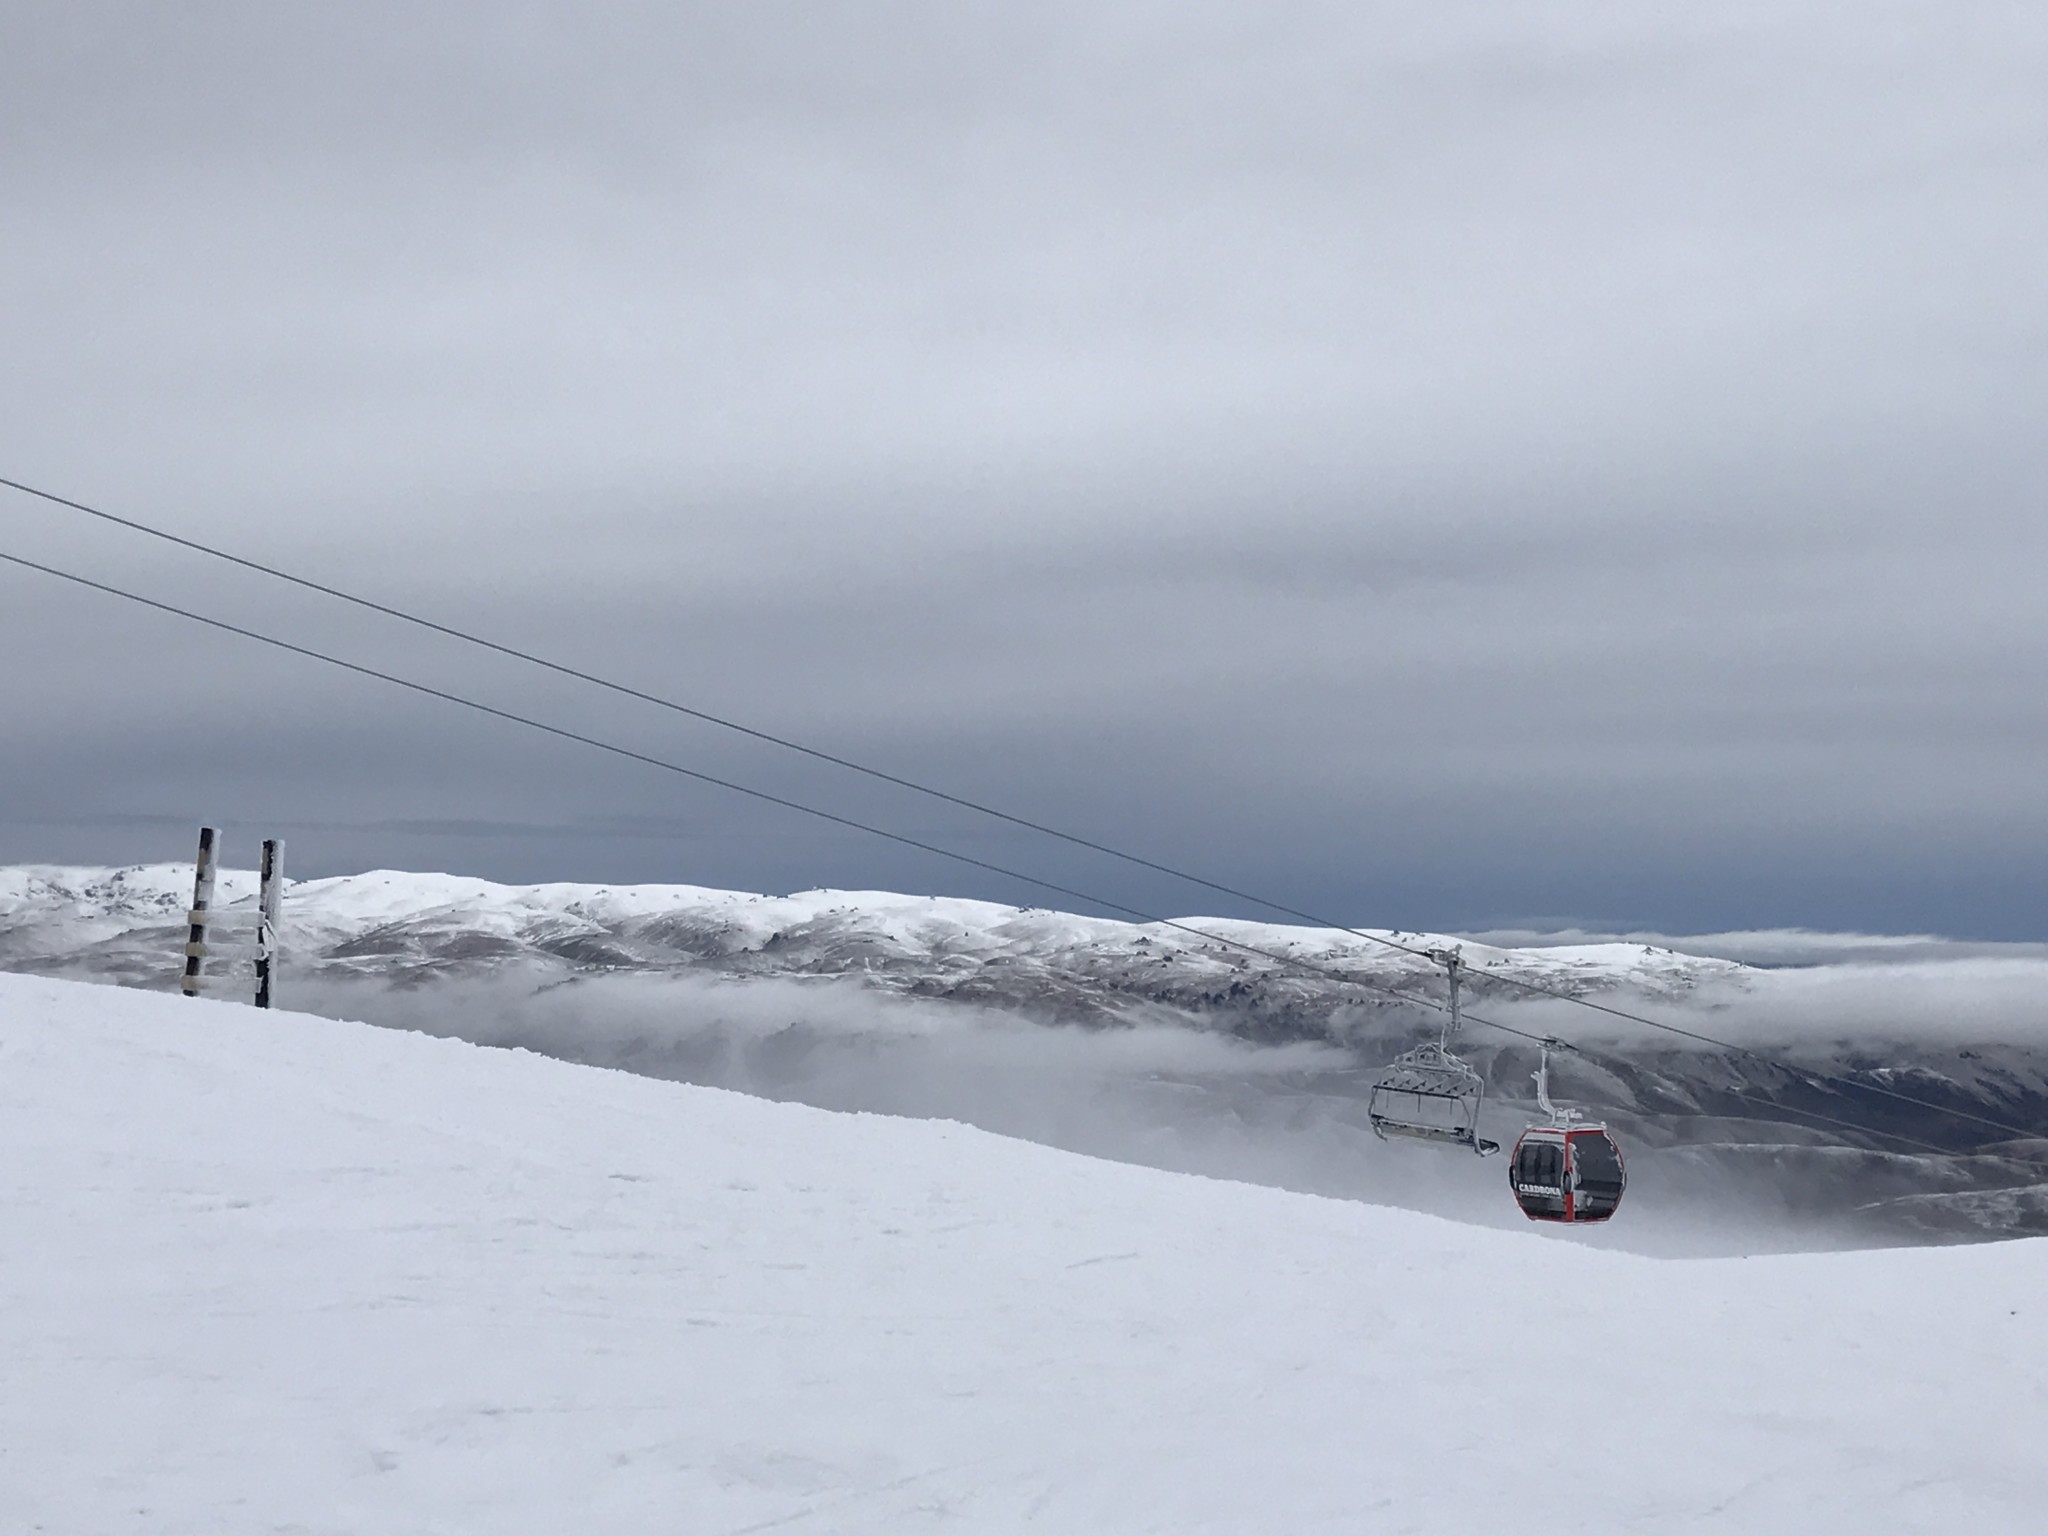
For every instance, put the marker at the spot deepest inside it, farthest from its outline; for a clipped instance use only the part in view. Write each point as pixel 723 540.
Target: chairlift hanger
pixel 1429 1094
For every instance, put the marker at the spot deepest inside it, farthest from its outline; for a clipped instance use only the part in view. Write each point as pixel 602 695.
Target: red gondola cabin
pixel 1567 1173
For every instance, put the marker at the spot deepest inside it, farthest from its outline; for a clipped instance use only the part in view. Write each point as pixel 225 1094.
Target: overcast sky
pixel 1457 464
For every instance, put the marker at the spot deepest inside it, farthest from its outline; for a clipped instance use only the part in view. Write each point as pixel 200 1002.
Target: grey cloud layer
pixel 1497 460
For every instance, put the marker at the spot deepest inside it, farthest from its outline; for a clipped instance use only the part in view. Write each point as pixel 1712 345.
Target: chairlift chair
pixel 1565 1171
pixel 1428 1094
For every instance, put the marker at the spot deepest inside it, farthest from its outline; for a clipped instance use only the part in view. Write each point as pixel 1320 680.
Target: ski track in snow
pixel 265 1272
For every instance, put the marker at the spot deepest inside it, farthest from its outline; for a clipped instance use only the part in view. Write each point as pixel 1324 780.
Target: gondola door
pixel 1539 1175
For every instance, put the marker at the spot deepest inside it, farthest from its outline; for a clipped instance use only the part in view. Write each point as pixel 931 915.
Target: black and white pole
pixel 272 892
pixel 202 901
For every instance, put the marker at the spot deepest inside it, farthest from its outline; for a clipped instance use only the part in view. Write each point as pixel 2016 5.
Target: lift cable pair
pixel 1296 963
pixel 1504 978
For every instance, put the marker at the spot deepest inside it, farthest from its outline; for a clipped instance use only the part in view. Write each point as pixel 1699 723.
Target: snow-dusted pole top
pixel 202 899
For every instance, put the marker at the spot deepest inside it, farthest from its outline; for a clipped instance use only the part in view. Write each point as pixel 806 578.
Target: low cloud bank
pixel 1940 1005
pixel 1775 947
pixel 1163 1095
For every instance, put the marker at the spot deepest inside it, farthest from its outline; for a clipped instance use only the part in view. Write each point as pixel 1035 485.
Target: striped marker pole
pixel 202 899
pixel 272 892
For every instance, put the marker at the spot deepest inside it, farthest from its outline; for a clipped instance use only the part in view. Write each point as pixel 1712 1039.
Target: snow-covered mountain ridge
pixel 427 916
pixel 423 923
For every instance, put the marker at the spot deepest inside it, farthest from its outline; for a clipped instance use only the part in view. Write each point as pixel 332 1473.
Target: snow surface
pixel 265 1272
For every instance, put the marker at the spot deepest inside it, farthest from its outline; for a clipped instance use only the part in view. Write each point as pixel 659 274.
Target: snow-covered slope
pixel 1156 1045
pixel 269 1272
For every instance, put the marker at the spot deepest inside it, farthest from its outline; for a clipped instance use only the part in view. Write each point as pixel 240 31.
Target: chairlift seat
pixel 1428 1094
